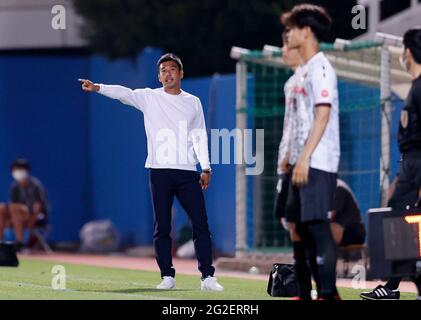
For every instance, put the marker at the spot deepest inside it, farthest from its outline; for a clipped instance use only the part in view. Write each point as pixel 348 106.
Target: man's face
pixel 296 37
pixel 170 74
pixel 291 57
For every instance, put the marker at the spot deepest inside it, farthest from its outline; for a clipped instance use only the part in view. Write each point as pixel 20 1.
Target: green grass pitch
pixel 32 280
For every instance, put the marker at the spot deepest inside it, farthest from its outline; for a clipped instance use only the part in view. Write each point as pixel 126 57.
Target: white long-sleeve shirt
pixel 175 126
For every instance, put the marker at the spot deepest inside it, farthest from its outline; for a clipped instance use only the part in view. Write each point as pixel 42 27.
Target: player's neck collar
pixel 315 56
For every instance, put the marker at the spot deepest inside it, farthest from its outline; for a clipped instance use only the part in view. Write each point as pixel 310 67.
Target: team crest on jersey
pixel 325 93
pixel 404 119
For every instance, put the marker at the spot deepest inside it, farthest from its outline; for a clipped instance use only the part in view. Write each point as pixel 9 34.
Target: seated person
pixel 28 203
pixel 346 223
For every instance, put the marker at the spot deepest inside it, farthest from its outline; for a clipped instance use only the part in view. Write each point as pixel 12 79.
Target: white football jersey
pixel 316 84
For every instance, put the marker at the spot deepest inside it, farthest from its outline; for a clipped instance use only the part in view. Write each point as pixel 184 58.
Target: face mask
pixel 402 61
pixel 20 175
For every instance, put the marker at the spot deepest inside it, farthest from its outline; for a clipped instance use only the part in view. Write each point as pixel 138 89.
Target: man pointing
pixel 177 142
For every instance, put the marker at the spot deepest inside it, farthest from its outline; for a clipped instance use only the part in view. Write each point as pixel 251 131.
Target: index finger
pixel 82 80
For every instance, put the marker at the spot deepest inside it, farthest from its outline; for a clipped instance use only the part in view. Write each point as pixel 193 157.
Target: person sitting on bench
pixel 28 203
pixel 346 223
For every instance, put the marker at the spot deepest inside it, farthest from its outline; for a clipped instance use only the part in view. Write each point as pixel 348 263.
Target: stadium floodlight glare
pixel 237 52
pixel 271 51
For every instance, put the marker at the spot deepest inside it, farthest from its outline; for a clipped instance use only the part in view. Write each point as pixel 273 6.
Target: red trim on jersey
pixel 326 104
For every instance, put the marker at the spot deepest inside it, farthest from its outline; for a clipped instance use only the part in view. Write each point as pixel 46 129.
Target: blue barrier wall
pixel 44 117
pixel 360 127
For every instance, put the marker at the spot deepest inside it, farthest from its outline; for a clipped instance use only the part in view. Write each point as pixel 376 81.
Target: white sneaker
pixel 210 284
pixel 167 283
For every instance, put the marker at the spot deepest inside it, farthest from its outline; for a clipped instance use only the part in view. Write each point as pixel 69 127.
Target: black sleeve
pixel 14 193
pixel 417 98
pixel 339 202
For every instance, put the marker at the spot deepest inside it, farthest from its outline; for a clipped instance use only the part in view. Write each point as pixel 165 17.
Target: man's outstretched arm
pixel 134 98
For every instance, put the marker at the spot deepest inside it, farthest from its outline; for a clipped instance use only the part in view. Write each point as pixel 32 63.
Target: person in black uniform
pixel 346 222
pixel 408 184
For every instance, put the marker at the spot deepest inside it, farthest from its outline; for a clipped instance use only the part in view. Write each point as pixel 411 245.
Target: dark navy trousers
pixel 184 184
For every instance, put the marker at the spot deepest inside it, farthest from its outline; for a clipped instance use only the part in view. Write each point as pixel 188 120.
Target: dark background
pixel 201 32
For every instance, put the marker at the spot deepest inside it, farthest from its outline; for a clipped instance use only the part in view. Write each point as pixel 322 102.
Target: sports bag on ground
pixel 282 281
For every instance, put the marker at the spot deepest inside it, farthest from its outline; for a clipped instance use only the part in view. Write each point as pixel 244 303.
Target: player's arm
pixel 300 174
pixel 200 145
pixel 283 163
pixel 283 157
pixel 283 151
pixel 134 98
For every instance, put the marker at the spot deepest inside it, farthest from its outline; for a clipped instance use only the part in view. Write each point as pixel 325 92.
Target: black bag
pixel 282 281
pixel 8 256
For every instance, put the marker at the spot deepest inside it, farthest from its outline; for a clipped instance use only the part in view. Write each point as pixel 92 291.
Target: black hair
pixel 412 41
pixel 170 57
pixel 20 163
pixel 309 15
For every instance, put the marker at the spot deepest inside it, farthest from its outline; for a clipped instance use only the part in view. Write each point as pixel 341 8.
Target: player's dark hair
pixel 309 15
pixel 20 163
pixel 412 41
pixel 170 57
